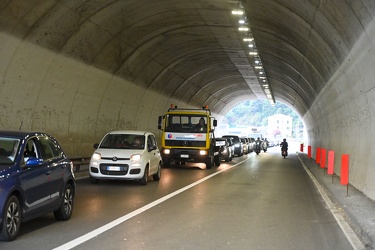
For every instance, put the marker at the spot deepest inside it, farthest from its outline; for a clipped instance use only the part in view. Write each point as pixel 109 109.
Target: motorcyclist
pixel 266 141
pixel 258 144
pixel 265 144
pixel 284 145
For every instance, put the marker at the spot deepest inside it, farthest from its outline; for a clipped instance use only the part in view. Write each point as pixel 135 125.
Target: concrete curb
pixel 356 209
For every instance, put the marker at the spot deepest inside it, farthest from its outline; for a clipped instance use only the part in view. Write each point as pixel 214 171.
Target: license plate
pixel 113 168
pixel 184 156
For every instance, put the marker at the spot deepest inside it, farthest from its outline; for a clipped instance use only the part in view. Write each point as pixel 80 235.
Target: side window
pixel 151 141
pixel 50 149
pixel 30 149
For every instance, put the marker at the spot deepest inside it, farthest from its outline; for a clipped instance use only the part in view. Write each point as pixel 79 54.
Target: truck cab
pixel 187 136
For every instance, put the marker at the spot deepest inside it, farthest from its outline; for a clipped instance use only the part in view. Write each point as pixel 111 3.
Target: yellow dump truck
pixel 188 136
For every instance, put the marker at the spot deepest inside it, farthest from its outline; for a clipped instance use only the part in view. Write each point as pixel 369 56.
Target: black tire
pixel 217 160
pixel 11 222
pixel 144 179
pixel 93 180
pixel 227 158
pixel 157 175
pixel 166 163
pixel 209 162
pixel 66 209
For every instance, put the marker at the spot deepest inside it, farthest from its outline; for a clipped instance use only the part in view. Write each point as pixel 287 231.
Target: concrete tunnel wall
pixel 342 118
pixel 78 104
pixel 74 102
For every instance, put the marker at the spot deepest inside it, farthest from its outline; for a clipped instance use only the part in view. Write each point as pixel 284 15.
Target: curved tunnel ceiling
pixel 192 50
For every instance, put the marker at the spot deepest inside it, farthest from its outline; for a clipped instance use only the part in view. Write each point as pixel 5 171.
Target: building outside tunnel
pixel 78 69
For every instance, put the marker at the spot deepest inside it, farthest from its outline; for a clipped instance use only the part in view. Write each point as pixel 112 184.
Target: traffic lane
pixel 98 204
pixel 265 203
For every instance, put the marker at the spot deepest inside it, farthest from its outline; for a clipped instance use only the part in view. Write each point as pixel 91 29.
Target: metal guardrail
pixel 79 161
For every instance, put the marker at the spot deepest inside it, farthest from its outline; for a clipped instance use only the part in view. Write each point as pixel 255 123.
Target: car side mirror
pixel 96 145
pixel 151 148
pixel 33 161
pixel 215 123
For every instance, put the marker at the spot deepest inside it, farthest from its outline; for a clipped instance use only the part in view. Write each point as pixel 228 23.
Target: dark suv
pixel 36 177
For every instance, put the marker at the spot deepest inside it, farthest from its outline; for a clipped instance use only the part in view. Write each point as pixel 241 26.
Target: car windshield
pixel 186 123
pixel 8 149
pixel 123 141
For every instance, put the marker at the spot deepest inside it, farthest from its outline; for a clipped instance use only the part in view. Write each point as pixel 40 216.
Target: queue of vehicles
pixel 36 176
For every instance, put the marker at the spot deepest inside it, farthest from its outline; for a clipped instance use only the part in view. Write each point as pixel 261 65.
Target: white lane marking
pixel 102 229
pixel 345 227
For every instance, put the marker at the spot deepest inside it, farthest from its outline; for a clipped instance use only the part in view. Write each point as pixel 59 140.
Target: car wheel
pixel 157 175
pixel 94 180
pixel 143 180
pixel 227 158
pixel 11 222
pixel 66 209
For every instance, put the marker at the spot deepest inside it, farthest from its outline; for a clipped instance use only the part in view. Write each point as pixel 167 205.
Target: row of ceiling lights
pixel 253 52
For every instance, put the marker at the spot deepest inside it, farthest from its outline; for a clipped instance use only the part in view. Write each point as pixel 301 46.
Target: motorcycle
pixel 264 146
pixel 257 147
pixel 284 152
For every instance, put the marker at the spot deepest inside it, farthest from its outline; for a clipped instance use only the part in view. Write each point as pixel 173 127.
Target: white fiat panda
pixel 126 155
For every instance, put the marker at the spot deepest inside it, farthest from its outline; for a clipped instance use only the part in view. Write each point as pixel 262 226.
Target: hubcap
pixel 68 201
pixel 12 218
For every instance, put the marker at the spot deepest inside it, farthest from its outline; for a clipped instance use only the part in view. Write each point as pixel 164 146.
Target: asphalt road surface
pixel 254 202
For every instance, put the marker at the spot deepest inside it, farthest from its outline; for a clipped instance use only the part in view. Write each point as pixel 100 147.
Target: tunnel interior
pixel 78 69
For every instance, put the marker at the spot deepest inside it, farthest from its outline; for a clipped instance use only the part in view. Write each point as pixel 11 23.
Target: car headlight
pixel 96 156
pixel 135 157
pixel 167 151
pixel 237 145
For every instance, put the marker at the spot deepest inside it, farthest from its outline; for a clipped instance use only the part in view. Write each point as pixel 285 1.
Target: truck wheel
pixel 166 163
pixel 209 162
pixel 217 160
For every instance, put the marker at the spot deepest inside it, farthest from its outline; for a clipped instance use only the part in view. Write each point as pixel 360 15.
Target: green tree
pixel 255 113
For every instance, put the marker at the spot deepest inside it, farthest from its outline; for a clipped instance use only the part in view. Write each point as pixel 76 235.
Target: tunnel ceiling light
pixel 237 12
pixel 248 39
pixel 242 20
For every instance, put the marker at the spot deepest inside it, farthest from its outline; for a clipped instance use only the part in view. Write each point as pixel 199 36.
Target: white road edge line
pixel 102 229
pixel 345 227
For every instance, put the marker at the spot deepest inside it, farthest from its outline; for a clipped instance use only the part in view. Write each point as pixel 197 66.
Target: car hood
pixel 119 153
